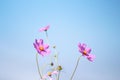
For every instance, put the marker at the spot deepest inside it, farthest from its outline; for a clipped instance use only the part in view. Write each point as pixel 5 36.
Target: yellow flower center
pixel 49 73
pixel 41 48
pixel 85 52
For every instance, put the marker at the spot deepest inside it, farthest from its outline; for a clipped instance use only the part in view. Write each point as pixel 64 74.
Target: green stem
pixel 58 76
pixel 47 37
pixel 38 66
pixel 75 67
pixel 46 33
pixel 56 57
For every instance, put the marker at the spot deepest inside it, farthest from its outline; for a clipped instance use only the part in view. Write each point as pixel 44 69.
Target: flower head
pixel 49 75
pixel 44 28
pixel 41 48
pixel 86 51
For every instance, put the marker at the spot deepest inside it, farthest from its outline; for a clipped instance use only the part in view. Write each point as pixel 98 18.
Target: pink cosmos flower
pixel 49 75
pixel 41 48
pixel 44 28
pixel 86 51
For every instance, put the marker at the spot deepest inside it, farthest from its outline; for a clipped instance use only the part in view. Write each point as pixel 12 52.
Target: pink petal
pixel 44 77
pixel 44 28
pixel 36 42
pixel 39 52
pixel 47 51
pixel 81 51
pixel 43 53
pixel 51 78
pixel 47 27
pixel 91 57
pixel 55 72
pixel 88 50
pixel 46 46
pixel 40 42
pixel 35 46
pixel 83 46
pixel 79 45
pixel 80 48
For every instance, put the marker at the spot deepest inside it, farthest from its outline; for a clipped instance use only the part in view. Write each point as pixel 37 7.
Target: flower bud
pixel 51 63
pixel 54 46
pixel 59 68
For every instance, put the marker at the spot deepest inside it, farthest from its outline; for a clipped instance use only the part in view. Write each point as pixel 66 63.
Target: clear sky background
pixel 94 22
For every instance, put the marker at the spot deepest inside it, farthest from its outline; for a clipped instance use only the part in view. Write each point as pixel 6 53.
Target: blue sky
pixel 94 22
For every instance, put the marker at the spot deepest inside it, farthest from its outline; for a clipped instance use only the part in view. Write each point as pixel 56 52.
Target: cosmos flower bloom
pixel 44 28
pixel 86 51
pixel 49 75
pixel 41 48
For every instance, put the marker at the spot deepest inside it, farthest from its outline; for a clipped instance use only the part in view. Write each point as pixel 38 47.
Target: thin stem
pixel 75 67
pixel 57 64
pixel 56 57
pixel 47 37
pixel 46 33
pixel 38 66
pixel 58 75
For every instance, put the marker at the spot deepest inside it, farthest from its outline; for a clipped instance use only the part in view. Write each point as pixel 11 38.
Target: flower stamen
pixel 49 73
pixel 85 52
pixel 41 48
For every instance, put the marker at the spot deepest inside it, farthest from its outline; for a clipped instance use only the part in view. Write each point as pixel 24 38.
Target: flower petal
pixel 43 53
pixel 83 46
pixel 46 46
pixel 88 50
pixel 47 51
pixel 39 52
pixel 41 29
pixel 55 72
pixel 40 42
pixel 44 28
pixel 47 27
pixel 91 57
pixel 35 46
pixel 44 77
pixel 79 45
pixel 51 78
pixel 36 42
pixel 81 51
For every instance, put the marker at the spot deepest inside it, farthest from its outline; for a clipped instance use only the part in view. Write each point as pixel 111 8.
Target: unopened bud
pixel 54 46
pixel 51 63
pixel 59 68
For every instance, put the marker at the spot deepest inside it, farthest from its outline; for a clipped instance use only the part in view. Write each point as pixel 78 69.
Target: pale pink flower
pixel 49 75
pixel 41 48
pixel 86 51
pixel 44 28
